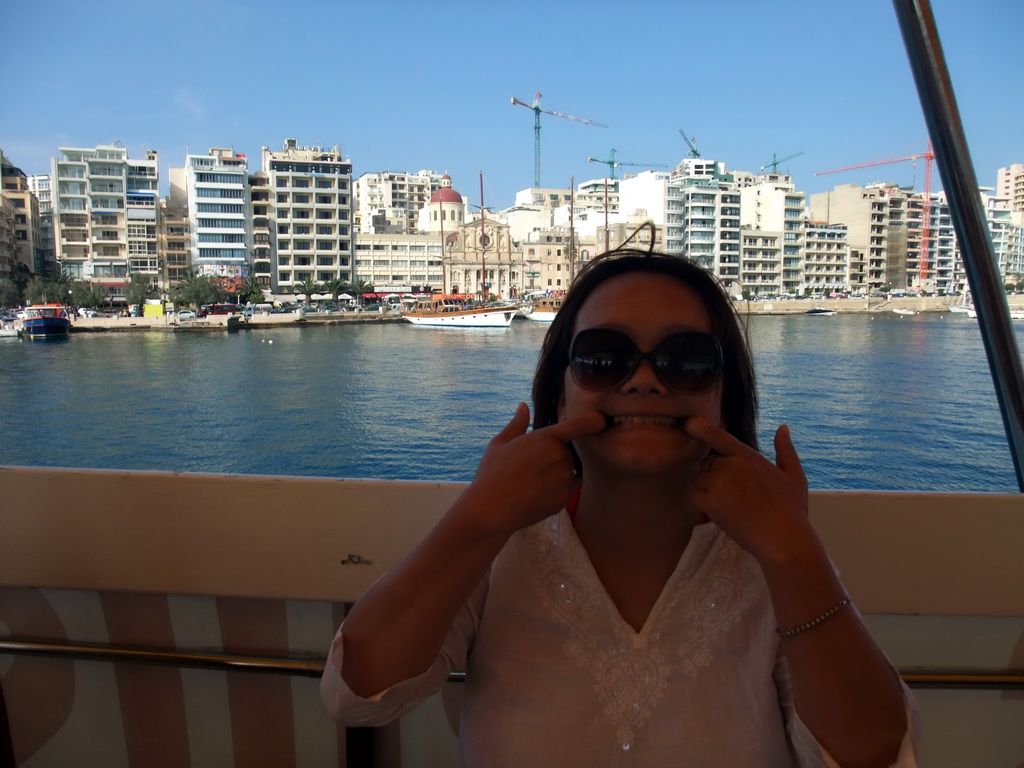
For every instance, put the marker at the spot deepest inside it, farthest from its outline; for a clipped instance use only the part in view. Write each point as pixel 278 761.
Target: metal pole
pixel 921 38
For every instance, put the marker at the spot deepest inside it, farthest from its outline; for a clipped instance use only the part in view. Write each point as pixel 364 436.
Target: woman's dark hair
pixel 739 391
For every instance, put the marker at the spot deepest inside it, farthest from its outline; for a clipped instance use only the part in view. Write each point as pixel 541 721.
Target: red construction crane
pixel 537 109
pixel 926 212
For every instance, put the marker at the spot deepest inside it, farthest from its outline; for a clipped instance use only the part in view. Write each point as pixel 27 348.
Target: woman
pixel 631 582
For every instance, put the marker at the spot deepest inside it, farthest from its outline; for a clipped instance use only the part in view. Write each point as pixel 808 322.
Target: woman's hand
pixel 760 505
pixel 524 476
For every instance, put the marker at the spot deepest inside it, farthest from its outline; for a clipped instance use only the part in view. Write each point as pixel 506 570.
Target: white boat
pixel 1015 314
pixel 9 330
pixel 903 311
pixel 544 311
pixel 820 312
pixel 456 313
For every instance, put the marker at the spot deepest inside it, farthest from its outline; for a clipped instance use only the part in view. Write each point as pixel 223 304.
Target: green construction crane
pixel 537 109
pixel 775 161
pixel 612 163
pixel 691 143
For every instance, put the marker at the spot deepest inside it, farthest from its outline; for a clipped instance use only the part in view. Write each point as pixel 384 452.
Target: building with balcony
pixel 396 263
pixel 40 185
pixel 552 257
pixel 311 212
pixel 878 219
pixel 263 238
pixel 827 266
pixel 173 245
pixel 1010 187
pixel 214 189
pixel 26 256
pixel 390 203
pixel 772 203
pixel 105 208
pixel 698 207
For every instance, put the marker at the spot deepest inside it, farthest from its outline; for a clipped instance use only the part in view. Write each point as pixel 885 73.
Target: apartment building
pixel 876 219
pixel 105 208
pixel 551 258
pixel 40 186
pixel 261 211
pixel 827 264
pixel 390 203
pixel 771 202
pixel 214 189
pixel 544 198
pixel 1006 227
pixel 397 263
pixel 25 226
pixel 173 244
pixel 10 268
pixel 698 205
pixel 1010 186
pixel 311 208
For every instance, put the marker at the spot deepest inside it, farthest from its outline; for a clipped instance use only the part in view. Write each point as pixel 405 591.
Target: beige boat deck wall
pixel 263 565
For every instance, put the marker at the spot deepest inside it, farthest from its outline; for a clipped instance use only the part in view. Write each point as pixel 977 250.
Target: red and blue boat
pixel 46 321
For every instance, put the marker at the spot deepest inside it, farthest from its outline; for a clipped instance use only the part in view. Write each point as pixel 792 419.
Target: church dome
pixel 446 194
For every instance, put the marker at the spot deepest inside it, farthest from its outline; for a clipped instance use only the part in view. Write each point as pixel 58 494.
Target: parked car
pixel 186 314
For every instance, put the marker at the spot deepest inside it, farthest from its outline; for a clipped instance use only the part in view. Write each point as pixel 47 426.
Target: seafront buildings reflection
pixel 305 215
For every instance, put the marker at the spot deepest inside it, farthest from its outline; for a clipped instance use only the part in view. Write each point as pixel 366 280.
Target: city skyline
pixel 405 88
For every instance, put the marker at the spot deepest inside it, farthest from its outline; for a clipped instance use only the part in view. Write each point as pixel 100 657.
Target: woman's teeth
pixel 667 421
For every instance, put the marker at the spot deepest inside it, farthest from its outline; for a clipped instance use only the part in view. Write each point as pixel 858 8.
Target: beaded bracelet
pixel 814 622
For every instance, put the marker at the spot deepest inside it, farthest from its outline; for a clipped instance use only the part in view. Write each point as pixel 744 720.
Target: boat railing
pixel 153 609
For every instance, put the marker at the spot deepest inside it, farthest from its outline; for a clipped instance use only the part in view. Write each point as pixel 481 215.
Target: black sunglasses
pixel 690 361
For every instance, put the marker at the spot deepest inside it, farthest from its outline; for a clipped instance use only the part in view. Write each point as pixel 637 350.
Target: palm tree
pixel 359 287
pixel 251 291
pixel 336 286
pixel 196 290
pixel 307 288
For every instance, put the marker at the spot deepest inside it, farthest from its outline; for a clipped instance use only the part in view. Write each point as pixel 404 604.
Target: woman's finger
pixel 716 438
pixel 572 429
pixel 516 426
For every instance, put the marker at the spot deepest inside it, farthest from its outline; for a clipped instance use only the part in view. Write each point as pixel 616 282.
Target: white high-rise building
pixel 105 208
pixel 215 191
pixel 40 186
pixel 311 208
pixel 773 204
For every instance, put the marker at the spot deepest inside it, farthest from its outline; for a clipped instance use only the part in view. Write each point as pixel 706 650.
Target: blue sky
pixel 404 86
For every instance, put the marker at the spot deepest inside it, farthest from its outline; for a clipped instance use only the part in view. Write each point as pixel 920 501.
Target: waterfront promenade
pixel 929 304
pixel 169 323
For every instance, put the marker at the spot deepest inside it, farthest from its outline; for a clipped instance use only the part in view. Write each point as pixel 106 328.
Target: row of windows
pixel 217 237
pixel 306 245
pixel 221 223
pixel 234 193
pixel 221 253
pixel 220 178
pixel 219 208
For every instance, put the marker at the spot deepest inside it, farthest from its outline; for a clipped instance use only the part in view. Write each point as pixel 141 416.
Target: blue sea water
pixel 873 401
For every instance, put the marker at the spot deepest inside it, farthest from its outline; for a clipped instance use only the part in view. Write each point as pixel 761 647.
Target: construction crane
pixel 612 163
pixel 926 211
pixel 776 161
pixel 537 109
pixel 691 143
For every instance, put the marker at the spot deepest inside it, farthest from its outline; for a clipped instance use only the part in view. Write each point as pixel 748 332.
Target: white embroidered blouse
pixel 555 677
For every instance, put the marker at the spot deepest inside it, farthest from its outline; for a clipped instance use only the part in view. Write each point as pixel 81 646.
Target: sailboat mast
pixel 572 230
pixel 483 243
pixel 444 270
